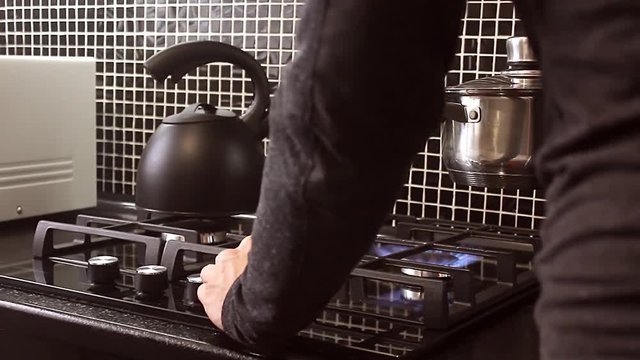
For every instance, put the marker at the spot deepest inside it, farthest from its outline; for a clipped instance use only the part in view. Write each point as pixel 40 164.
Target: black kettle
pixel 204 161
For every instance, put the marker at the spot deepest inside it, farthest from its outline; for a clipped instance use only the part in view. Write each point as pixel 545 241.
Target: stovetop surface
pixel 421 282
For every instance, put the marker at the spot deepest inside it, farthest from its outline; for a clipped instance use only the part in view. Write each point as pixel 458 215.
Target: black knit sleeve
pixel 354 108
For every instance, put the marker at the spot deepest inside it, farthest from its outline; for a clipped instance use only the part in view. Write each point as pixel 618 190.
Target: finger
pixel 201 292
pixel 225 255
pixel 211 306
pixel 207 272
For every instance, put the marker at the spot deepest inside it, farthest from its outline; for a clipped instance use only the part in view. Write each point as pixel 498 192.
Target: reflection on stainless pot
pixel 490 133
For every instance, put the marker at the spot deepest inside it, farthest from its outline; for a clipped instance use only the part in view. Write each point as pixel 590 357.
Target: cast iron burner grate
pixel 421 281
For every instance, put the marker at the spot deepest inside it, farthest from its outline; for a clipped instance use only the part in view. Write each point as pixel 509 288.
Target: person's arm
pixel 354 108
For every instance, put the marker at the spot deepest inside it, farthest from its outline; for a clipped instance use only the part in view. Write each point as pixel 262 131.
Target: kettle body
pixel 204 161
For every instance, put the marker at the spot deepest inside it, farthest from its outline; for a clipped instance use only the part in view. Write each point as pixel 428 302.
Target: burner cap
pixel 215 237
pixel 424 273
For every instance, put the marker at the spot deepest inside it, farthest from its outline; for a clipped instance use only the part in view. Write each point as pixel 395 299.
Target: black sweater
pixel 359 101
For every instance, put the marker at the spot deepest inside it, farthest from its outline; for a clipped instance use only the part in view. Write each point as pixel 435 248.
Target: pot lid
pixel 199 112
pixel 509 82
pixel 522 77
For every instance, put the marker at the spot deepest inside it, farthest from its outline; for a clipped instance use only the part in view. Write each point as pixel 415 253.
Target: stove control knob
pixel 103 270
pixel 190 297
pixel 150 280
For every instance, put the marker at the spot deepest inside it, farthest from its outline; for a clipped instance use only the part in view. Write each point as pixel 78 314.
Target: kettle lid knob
pixel 199 112
pixel 206 108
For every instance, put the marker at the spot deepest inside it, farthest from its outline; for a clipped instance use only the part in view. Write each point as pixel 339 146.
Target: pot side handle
pixel 458 112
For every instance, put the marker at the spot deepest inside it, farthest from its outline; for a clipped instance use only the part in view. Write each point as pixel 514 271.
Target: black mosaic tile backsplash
pixel 121 34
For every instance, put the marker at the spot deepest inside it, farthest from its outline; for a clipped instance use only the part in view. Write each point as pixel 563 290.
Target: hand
pixel 217 279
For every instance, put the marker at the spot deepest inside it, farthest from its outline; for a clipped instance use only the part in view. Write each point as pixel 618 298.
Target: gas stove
pixel 421 282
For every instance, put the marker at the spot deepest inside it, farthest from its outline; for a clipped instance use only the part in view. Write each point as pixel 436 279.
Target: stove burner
pixel 445 258
pixel 415 294
pixel 216 237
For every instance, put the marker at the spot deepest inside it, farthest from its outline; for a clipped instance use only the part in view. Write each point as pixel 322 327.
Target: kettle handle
pixel 177 60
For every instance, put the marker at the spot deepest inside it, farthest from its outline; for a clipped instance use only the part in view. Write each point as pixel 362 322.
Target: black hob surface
pixel 421 282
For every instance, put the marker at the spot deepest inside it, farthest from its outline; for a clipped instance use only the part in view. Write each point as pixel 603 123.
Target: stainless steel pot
pixel 490 132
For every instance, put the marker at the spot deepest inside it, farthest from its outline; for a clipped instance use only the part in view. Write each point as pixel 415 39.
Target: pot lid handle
pixel 520 51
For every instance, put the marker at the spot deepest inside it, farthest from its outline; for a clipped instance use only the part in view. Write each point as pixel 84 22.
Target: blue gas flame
pixel 384 249
pixel 445 258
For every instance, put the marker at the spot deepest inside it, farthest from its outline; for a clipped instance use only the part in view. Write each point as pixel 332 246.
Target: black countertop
pixel 43 326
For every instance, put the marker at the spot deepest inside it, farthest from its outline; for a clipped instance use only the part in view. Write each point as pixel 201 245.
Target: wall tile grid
pixel 121 34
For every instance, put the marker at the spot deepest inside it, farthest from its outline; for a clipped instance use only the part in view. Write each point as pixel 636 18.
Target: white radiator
pixel 47 135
